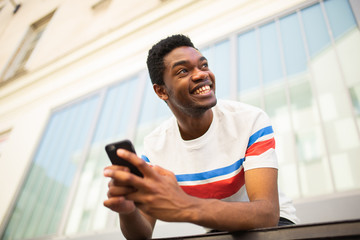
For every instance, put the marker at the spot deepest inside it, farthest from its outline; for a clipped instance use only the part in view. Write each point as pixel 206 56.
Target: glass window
pixel 341 131
pixel 148 111
pixel 270 54
pixel 310 147
pixel 315 29
pixel 209 54
pixel 277 108
pixel 355 97
pixel 17 64
pixel 248 62
pixel 222 69
pixel 330 71
pixel 315 178
pixel 153 112
pixel 117 112
pixel 340 16
pixel 41 202
pixel 218 57
pixel 293 46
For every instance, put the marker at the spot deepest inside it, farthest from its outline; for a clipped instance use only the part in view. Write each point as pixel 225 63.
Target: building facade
pixel 73 78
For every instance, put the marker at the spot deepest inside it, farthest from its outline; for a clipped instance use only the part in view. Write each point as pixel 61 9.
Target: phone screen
pixel 116 160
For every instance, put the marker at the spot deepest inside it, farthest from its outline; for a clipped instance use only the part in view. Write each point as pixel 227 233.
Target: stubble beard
pixel 192 109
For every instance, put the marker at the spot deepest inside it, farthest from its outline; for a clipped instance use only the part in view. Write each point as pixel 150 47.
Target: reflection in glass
pixel 40 205
pixel 270 54
pixel 315 29
pixel 355 97
pixel 221 69
pixel 153 111
pixel 293 46
pixel 88 212
pixel 340 15
pixel 218 57
pixel 248 69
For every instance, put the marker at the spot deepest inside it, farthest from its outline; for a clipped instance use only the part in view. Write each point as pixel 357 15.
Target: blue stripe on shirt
pixel 145 158
pixel 210 174
pixel 262 132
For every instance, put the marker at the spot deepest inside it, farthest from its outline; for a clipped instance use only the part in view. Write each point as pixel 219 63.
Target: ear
pixel 161 91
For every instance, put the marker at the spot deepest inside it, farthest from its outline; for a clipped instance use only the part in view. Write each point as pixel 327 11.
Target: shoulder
pixel 241 119
pixel 157 138
pixel 229 106
pixel 240 111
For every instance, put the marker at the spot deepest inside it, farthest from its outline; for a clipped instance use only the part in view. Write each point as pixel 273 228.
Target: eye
pixel 205 66
pixel 182 71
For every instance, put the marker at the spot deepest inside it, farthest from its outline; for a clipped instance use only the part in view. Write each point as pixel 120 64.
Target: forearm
pixel 234 216
pixel 136 226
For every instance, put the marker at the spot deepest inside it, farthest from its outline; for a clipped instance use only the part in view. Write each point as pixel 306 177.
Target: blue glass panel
pixel 163 111
pixel 315 29
pixel 293 45
pixel 270 53
pixel 27 199
pixel 65 164
pixel 116 104
pixel 117 110
pixel 104 126
pixel 248 62
pixel 222 69
pixel 52 172
pixel 44 168
pixel 208 53
pixel 149 105
pixel 153 111
pixel 127 106
pixel 340 16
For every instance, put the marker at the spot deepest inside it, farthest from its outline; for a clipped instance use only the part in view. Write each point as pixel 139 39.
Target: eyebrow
pixel 182 62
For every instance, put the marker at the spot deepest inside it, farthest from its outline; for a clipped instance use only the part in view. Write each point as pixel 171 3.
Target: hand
pixel 117 191
pixel 157 194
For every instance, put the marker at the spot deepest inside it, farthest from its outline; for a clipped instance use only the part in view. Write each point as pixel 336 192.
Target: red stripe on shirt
pixel 219 189
pixel 260 147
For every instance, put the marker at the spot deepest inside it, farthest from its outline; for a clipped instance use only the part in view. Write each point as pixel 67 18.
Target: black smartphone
pixel 116 160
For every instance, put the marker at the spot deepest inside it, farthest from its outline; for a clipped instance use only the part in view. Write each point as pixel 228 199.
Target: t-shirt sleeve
pixel 260 152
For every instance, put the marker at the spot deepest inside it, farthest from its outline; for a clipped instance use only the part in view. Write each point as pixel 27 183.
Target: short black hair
pixel 155 59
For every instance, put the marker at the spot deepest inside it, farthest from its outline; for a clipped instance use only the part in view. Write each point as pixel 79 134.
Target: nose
pixel 198 74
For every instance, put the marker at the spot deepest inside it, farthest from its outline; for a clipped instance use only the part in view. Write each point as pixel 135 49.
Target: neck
pixel 193 127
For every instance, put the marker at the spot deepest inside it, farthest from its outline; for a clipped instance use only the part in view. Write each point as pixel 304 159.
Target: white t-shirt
pixel 240 138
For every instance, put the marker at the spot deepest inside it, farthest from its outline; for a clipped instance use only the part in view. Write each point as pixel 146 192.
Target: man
pixel 213 164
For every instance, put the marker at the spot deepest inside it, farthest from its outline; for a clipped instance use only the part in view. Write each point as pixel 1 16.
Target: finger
pixel 120 191
pixel 117 183
pixel 109 171
pixel 117 168
pixel 122 178
pixel 120 205
pixel 136 197
pixel 139 163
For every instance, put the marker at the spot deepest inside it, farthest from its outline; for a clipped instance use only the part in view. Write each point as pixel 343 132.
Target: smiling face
pixel 189 85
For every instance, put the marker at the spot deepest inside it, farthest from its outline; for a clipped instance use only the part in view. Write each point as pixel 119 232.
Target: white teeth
pixel 203 90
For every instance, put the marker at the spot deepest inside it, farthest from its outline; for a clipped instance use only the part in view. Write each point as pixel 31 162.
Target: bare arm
pixel 261 211
pixel 133 223
pixel 159 196
pixel 137 225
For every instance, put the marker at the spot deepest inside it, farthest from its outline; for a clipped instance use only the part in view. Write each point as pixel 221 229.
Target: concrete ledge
pixel 334 230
